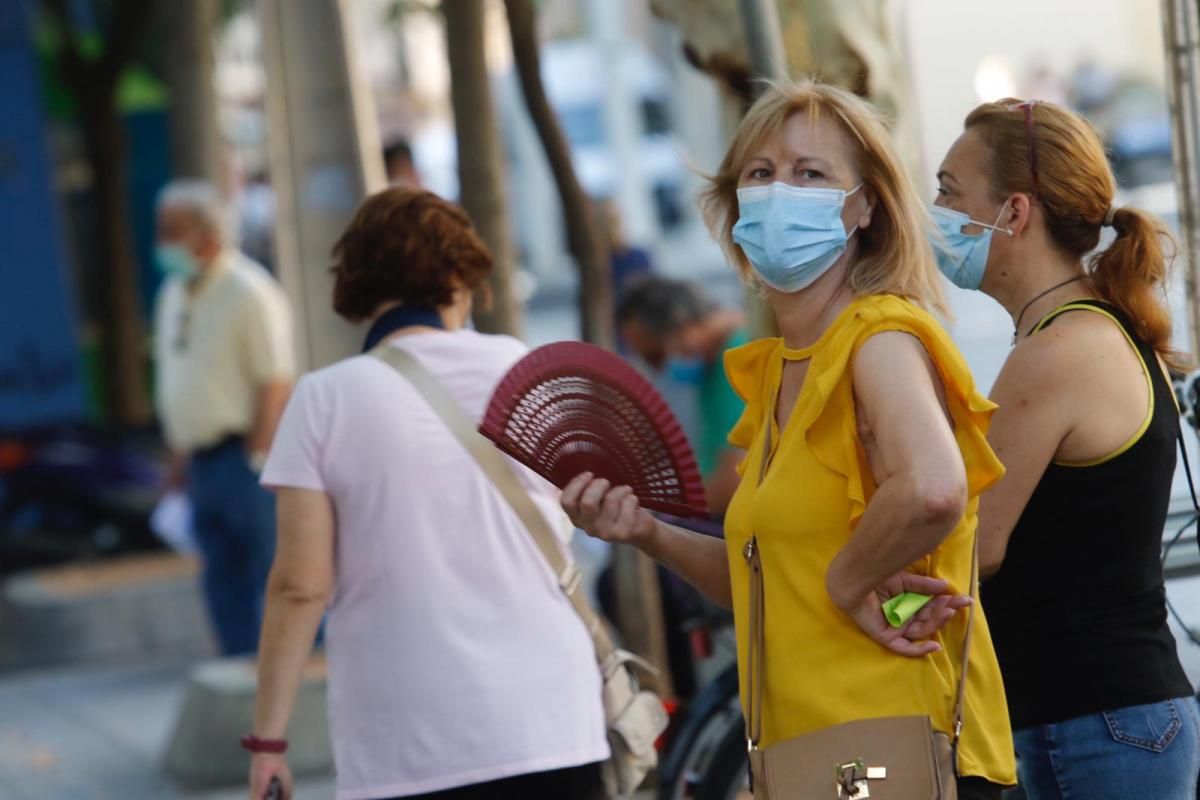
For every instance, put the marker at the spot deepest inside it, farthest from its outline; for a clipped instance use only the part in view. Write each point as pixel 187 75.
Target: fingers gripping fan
pixel 569 408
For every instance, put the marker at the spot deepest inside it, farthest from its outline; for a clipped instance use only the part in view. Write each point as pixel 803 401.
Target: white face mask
pixel 791 235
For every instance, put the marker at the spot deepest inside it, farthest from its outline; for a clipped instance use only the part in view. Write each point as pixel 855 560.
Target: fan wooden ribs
pixel 569 408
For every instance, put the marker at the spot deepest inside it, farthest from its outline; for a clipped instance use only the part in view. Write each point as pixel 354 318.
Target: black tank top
pixel 1078 610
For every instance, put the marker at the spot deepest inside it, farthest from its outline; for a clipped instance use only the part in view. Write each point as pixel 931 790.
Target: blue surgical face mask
pixel 177 261
pixel 962 257
pixel 791 235
pixel 689 371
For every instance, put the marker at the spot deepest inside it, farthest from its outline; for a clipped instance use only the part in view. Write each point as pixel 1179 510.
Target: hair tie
pixel 1108 217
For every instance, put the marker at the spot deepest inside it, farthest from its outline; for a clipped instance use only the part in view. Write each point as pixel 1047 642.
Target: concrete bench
pixel 218 709
pixel 131 607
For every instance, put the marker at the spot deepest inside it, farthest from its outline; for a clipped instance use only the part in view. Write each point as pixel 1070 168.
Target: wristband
pixel 253 744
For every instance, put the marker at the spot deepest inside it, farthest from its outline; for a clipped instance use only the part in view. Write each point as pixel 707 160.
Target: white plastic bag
pixel 171 521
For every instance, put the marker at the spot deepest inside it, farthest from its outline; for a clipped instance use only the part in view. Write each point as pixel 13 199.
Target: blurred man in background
pixel 675 327
pixel 257 219
pixel 399 165
pixel 627 261
pixel 224 368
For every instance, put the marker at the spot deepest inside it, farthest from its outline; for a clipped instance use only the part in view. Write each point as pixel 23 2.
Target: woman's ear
pixel 869 199
pixel 1016 219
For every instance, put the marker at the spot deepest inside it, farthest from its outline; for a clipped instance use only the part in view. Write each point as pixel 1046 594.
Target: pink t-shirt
pixel 454 658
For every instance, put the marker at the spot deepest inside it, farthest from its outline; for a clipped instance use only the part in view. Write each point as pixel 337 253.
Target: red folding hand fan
pixel 569 408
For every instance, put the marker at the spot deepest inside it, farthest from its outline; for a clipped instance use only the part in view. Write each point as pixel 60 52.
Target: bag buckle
pixel 748 550
pixel 570 578
pixel 852 779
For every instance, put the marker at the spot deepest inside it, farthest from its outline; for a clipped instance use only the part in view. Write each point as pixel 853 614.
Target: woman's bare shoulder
pixel 1077 343
pixel 1063 361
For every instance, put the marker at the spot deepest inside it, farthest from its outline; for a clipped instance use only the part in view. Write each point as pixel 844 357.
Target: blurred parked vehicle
pixel 75 494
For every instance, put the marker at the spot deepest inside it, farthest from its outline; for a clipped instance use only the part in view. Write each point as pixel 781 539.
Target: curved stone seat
pixel 123 608
pixel 218 708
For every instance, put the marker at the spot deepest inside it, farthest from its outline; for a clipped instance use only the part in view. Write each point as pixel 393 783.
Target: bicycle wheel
pixel 698 738
pixel 727 777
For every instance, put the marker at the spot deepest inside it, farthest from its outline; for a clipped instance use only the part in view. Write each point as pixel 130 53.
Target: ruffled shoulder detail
pixel 752 370
pixel 828 418
pixel 745 366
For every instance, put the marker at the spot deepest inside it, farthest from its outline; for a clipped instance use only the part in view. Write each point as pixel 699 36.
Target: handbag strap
pixel 755 666
pixel 495 465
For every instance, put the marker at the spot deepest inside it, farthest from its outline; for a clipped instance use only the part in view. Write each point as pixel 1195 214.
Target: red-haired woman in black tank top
pixel 1086 427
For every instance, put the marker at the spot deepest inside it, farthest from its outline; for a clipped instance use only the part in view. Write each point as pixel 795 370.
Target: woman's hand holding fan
pixel 583 419
pixel 606 512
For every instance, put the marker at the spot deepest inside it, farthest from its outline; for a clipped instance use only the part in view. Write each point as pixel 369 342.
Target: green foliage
pixel 397 9
pixel 138 89
pixel 231 8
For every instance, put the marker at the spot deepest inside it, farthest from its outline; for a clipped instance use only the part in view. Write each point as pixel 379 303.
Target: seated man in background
pixel 675 327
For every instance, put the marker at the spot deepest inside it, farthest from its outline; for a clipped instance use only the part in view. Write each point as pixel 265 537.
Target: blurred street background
pixel 110 680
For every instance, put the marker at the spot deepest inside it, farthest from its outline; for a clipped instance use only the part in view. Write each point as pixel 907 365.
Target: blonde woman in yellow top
pixel 877 440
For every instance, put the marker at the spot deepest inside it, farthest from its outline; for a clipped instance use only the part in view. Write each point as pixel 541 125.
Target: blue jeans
pixel 234 525
pixel 1150 751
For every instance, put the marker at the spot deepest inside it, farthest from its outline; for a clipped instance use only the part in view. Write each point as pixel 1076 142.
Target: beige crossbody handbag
pixel 888 758
pixel 635 718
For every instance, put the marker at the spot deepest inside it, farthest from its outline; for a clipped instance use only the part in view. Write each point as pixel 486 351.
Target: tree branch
pixel 584 241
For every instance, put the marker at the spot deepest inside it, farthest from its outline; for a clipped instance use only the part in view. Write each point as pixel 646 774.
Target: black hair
pixel 663 305
pixel 397 150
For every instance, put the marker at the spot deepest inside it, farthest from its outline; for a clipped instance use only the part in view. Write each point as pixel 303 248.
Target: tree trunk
pixel 640 618
pixel 584 241
pixel 639 615
pixel 94 84
pixel 189 68
pixel 480 164
pixel 124 338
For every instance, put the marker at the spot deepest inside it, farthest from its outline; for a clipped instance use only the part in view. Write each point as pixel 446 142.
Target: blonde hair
pixel 894 252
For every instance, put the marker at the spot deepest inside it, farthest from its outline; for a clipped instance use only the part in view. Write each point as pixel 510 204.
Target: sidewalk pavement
pixel 99 733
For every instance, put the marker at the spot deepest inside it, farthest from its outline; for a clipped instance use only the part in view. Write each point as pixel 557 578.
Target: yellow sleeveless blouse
pixel 821 669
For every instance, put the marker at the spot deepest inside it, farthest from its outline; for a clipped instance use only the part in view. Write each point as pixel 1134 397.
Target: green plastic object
pixel 900 609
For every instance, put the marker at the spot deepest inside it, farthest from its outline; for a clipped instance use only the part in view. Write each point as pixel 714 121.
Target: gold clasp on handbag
pixel 853 779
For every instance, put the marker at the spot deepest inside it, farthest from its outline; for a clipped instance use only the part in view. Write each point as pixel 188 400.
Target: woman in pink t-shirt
pixel 457 668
